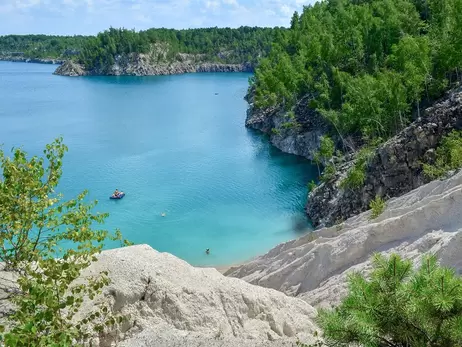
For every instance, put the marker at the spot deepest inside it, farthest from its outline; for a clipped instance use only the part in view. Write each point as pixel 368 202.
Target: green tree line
pixel 244 44
pixel 368 64
pixel 42 46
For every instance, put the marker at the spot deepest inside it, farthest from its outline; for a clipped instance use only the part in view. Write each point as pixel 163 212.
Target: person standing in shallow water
pixel 207 251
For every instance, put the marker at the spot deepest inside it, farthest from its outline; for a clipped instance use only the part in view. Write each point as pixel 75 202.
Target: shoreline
pixel 48 61
pixel 225 268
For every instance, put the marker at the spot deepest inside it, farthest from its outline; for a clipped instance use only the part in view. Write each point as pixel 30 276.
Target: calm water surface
pixel 173 146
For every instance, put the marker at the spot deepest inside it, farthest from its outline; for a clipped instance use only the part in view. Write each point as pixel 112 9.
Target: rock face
pixel 171 303
pixel 394 169
pixel 314 267
pixel 69 68
pixel 142 65
pixel 299 135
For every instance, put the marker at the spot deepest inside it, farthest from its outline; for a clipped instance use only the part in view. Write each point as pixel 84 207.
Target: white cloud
pixel 287 10
pixel 212 4
pixel 27 3
pixel 231 2
pixel 91 16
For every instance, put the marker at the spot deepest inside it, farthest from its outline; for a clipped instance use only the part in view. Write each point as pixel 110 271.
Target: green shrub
pixel 448 156
pixel 377 206
pixel 398 306
pixel 290 125
pixel 311 186
pixel 356 176
pixel 328 173
pixel 275 131
pixel 35 225
pixel 323 155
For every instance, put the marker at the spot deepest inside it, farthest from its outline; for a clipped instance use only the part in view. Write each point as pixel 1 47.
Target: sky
pixel 88 17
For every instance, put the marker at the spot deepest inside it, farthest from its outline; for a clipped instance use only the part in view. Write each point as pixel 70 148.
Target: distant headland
pixel 150 52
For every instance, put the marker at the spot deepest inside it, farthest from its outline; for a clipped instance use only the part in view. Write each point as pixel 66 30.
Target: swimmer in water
pixel 163 214
pixel 207 251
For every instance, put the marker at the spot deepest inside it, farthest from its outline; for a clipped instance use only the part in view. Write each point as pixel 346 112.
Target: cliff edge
pixel 143 65
pixel 297 131
pixel 315 266
pixel 171 303
pixel 395 167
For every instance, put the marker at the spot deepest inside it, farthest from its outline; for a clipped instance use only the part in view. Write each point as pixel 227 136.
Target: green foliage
pixel 290 125
pixel 448 156
pixel 275 131
pixel 323 155
pixel 42 46
pixel 45 243
pixel 328 173
pixel 377 206
pixel 326 149
pixel 357 174
pixel 365 64
pixel 226 45
pixel 311 186
pixel 398 306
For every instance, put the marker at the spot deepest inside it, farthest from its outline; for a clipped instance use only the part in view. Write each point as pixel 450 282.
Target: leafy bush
pixel 36 225
pixel 377 206
pixel 326 150
pixel 328 173
pixel 357 174
pixel 324 154
pixel 311 186
pixel 398 306
pixel 448 156
pixel 275 131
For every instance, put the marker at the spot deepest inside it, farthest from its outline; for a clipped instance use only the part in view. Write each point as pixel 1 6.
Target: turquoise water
pixel 173 146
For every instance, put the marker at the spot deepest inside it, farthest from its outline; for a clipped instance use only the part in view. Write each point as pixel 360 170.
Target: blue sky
pixel 92 16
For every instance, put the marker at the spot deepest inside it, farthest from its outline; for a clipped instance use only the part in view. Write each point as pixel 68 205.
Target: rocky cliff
pixel 314 267
pixel 394 169
pixel 170 303
pixel 297 131
pixel 143 65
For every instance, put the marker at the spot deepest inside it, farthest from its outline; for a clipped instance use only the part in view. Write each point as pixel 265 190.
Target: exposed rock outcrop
pixel 297 132
pixel 143 65
pixel 70 68
pixel 171 303
pixel 314 267
pixel 394 169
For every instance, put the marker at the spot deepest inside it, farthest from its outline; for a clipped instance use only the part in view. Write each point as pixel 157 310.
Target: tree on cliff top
pixel 365 64
pixel 37 227
pixel 398 306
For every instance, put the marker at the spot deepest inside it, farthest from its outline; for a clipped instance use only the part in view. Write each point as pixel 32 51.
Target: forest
pixel 368 66
pixel 244 44
pixel 42 46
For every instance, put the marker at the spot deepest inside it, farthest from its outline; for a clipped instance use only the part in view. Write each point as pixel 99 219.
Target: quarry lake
pixel 176 145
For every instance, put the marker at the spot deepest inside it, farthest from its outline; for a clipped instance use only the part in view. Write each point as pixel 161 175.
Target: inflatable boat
pixel 120 196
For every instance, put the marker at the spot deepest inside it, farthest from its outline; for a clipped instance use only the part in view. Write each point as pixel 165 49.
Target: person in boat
pixel 207 251
pixel 116 193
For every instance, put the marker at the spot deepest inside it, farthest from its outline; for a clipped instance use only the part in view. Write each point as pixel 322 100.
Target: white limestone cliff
pixel 171 303
pixel 314 267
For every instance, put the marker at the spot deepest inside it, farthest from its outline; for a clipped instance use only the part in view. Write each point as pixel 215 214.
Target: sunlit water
pixel 174 146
